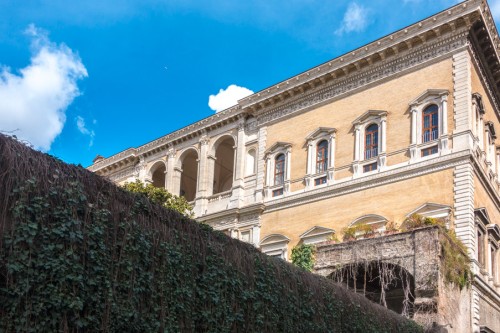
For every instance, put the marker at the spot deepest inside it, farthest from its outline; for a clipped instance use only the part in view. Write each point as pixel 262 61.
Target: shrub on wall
pixel 303 256
pixel 78 254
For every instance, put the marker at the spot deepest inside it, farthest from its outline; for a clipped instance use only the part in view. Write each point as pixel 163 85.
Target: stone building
pixel 406 124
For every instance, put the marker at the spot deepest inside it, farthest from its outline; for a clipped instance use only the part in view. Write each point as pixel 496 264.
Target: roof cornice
pixel 365 55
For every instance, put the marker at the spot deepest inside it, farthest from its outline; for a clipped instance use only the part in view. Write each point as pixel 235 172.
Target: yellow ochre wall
pixel 392 201
pixel 392 96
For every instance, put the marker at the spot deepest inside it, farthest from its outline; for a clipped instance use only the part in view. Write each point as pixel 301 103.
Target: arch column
pixel 169 177
pixel 202 192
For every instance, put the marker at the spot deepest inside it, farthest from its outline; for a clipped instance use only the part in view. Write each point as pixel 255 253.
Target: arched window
pixel 279 169
pixel 322 156
pixel 371 141
pixel 430 123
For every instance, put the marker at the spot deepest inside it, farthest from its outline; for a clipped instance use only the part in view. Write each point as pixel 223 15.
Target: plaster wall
pixel 393 201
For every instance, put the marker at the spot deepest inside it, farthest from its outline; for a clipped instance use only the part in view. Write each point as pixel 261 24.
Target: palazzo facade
pixel 406 124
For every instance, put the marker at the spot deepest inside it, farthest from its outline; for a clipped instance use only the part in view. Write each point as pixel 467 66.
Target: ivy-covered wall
pixel 78 254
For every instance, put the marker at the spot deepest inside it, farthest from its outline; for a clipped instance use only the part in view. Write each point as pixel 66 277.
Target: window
pixel 275 245
pixel 322 156
pixel 279 169
pixel 278 192
pixel 370 131
pixel 430 124
pixel 246 236
pixel 429 151
pixel 371 141
pixel 480 248
pixel 320 181
pixel 370 167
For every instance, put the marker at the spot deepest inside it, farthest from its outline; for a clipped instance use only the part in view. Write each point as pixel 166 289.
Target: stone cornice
pixel 368 75
pixel 221 118
pixel 356 59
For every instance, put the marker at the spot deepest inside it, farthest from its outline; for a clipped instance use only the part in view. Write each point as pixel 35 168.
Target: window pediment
pixel 478 100
pixel 371 219
pixel 482 216
pixel 317 231
pixel 277 146
pixel 321 131
pixel 274 239
pixel 429 94
pixel 369 115
pixel 494 232
pixel 491 129
pixel 430 209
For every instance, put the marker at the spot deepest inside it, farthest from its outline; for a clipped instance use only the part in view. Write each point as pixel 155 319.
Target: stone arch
pixel 187 167
pixel 157 173
pixel 382 282
pixel 223 151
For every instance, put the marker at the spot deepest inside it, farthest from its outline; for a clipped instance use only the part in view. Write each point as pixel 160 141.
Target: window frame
pixel 313 141
pixel 418 144
pixel 271 186
pixel 361 130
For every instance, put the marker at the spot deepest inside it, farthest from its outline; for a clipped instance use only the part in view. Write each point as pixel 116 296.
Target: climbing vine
pixel 303 256
pixel 78 254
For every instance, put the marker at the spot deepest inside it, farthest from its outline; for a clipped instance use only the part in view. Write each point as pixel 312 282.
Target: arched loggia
pixel 189 174
pixel 224 164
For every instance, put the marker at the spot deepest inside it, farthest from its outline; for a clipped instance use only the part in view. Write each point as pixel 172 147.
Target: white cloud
pixel 33 102
pixel 80 124
pixel 355 19
pixel 227 98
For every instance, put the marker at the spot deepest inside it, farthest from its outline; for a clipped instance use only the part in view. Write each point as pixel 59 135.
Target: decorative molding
pixel 413 58
pixel 463 189
pixel 469 10
pixel 366 182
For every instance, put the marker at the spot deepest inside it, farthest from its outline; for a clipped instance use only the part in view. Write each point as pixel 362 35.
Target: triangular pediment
pixel 316 231
pixel 319 132
pixel 430 209
pixel 273 239
pixel 276 146
pixel 369 115
pixel 494 231
pixel 429 93
pixel 482 215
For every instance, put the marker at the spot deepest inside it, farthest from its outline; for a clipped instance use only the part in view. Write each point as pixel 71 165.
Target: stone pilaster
pixel 462 102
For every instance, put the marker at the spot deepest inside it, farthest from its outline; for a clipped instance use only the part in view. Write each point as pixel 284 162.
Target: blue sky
pixel 81 78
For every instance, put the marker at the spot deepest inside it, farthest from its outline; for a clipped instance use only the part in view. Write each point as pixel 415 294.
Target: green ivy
pixel 68 264
pixel 303 256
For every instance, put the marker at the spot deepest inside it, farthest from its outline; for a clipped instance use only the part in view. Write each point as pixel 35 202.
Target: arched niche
pixel 223 151
pixel 189 174
pixel 250 160
pixel 157 174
